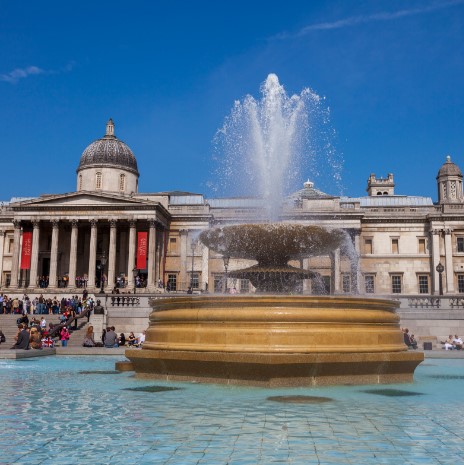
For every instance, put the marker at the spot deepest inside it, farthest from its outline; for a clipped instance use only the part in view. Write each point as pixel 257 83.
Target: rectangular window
pixel 368 246
pixel 396 284
pixel 422 248
pixel 172 245
pixel 327 284
pixel 461 283
pixel 460 244
pixel 395 246
pixel 172 281
pixel 346 283
pixel 244 286
pixel 219 283
pixel 423 284
pixel 195 281
pixel 369 283
pixel 10 245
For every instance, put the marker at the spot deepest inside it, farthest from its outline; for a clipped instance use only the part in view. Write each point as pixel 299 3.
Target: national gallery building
pixel 107 234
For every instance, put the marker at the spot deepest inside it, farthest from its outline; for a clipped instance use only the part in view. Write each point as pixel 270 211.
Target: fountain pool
pixel 69 410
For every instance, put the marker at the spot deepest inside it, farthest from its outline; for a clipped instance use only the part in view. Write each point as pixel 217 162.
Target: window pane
pixel 396 284
pixel 461 283
pixel 346 282
pixel 460 244
pixel 369 284
pixel 394 245
pixel 172 281
pixel 244 286
pixel 423 284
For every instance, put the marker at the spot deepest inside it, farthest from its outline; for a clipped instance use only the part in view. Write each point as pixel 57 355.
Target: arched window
pixel 122 182
pixel 80 182
pixel 98 181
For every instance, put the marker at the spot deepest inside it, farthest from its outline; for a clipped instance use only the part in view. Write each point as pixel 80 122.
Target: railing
pixel 124 301
pixel 56 329
pixel 436 302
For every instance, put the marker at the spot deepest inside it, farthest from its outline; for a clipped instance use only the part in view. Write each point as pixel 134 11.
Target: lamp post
pixel 192 247
pixel 226 259
pixel 440 268
pixel 102 272
pixel 135 272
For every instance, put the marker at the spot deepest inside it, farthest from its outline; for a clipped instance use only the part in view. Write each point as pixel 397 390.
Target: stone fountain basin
pixel 275 243
pixel 271 340
pixel 275 324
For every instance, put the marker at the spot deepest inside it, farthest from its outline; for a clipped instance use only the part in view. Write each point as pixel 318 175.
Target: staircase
pixel 10 328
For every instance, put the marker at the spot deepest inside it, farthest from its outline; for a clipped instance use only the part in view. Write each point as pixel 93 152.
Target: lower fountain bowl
pixel 275 340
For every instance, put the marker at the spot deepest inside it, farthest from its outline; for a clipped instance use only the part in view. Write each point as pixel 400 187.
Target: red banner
pixel 27 250
pixel 142 248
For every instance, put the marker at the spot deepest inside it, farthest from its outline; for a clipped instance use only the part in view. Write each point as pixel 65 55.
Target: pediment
pixel 80 199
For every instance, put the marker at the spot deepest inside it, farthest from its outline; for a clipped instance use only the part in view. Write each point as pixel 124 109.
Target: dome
pixel 109 151
pixel 449 169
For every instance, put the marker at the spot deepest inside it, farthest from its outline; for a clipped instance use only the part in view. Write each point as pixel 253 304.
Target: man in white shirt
pixel 142 338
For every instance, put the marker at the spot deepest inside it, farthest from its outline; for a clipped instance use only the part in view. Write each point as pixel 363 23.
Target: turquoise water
pixel 78 410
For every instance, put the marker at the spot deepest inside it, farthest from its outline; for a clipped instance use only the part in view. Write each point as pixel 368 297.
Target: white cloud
pixel 382 16
pixel 20 73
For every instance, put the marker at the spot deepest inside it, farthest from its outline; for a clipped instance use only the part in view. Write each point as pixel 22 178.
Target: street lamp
pixel 192 246
pixel 440 268
pixel 135 272
pixel 226 259
pixel 102 271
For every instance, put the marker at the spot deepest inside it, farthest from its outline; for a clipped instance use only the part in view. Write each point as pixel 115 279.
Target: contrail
pixel 383 16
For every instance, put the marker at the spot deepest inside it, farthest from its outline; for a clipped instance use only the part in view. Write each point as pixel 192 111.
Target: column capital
pixel 55 223
pixel 93 223
pixel 183 232
pixel 2 232
pixel 113 223
pixel 447 231
pixel 133 223
pixel 17 224
pixel 74 223
pixel 152 223
pixel 36 224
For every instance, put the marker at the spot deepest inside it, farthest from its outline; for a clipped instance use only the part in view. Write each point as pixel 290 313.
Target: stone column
pixel 2 246
pixel 151 255
pixel 54 254
pixel 35 254
pixel 73 254
pixel 355 263
pixel 183 260
pixel 131 262
pixel 435 259
pixel 16 252
pixel 335 270
pixel 449 263
pixel 92 254
pixel 112 254
pixel 204 267
pixel 161 254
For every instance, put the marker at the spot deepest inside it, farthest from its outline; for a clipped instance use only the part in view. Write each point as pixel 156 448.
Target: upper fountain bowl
pixel 272 244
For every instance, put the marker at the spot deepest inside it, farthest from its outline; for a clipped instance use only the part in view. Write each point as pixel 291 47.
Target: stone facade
pixel 395 243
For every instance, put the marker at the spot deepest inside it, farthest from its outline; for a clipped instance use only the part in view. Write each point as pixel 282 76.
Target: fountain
pixel 274 337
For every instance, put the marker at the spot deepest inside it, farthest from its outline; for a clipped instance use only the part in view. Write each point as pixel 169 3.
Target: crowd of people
pixel 33 330
pixel 41 305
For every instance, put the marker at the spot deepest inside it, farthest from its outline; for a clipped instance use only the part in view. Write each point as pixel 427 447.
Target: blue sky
pixel 168 74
